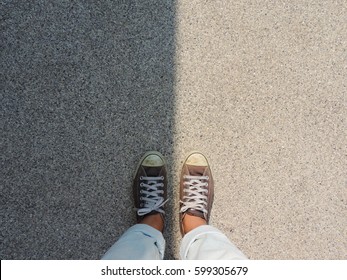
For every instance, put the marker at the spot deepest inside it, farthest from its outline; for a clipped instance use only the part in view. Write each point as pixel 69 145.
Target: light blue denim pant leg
pixel 140 242
pixel 208 243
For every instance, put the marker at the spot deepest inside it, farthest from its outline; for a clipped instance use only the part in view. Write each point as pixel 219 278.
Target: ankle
pixel 191 222
pixel 155 221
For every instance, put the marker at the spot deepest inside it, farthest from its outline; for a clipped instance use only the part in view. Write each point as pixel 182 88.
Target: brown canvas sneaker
pixel 149 186
pixel 196 188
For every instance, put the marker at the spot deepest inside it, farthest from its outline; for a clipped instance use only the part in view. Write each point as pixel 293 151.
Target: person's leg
pixel 200 240
pixel 208 243
pixel 145 240
pixel 140 242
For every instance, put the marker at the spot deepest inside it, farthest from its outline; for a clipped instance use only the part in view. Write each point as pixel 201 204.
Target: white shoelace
pixel 196 194
pixel 150 195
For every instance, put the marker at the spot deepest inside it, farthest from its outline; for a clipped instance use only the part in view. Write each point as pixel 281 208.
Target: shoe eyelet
pixel 141 184
pixel 162 177
pixel 141 177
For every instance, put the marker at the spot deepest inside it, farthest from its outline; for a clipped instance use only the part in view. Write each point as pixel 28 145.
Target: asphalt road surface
pixel 258 86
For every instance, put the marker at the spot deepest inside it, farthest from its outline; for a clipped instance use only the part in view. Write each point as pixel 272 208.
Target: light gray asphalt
pixel 258 86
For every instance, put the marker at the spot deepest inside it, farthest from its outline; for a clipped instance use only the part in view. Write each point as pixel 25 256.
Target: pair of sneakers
pixel 196 190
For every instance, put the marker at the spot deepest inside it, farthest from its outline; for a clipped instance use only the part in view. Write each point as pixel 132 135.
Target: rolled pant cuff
pixel 140 241
pixel 207 242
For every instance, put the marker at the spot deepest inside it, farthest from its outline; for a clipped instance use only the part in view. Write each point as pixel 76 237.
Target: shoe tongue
pixel 196 170
pixel 152 171
pixel 196 213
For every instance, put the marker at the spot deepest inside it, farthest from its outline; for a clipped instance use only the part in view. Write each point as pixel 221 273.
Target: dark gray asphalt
pixel 86 89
